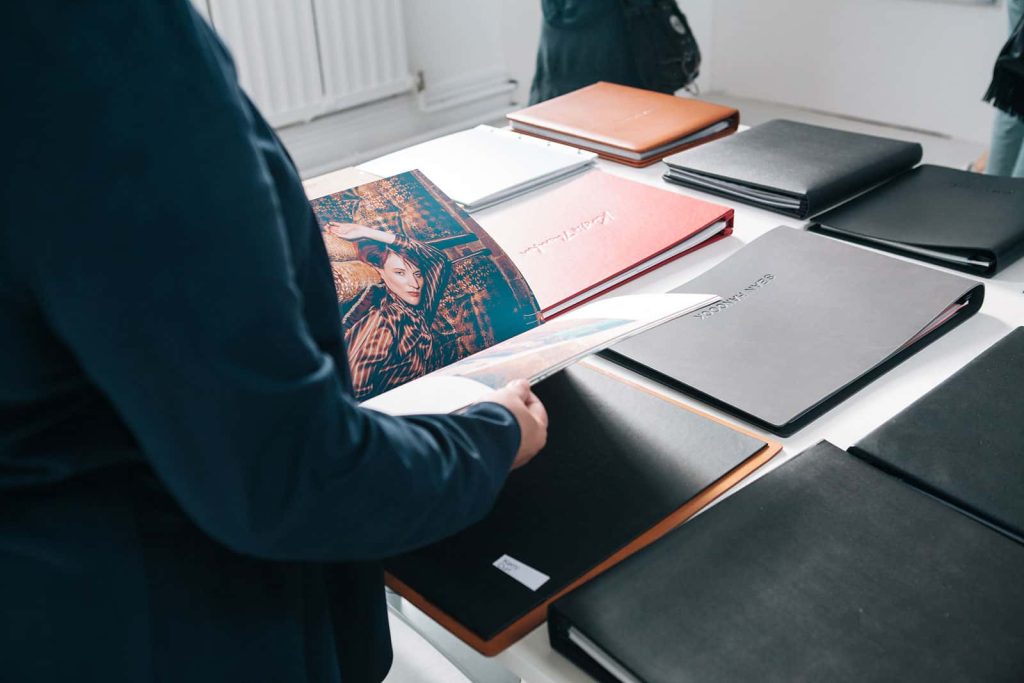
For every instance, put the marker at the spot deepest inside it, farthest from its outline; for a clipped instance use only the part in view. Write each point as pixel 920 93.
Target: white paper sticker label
pixel 524 574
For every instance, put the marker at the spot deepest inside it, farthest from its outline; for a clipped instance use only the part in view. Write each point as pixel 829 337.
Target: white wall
pixel 459 46
pixel 520 34
pixel 907 62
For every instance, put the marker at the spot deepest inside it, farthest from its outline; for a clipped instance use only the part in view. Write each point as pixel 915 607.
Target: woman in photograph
pixel 388 327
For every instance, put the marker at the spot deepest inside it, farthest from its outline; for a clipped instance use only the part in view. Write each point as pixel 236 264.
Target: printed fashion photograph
pixel 420 285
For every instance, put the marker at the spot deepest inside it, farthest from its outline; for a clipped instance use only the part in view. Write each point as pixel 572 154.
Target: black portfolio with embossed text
pixel 804 321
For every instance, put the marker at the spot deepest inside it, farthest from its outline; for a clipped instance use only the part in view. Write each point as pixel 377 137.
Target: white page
pixel 429 394
pixel 537 353
pixel 483 165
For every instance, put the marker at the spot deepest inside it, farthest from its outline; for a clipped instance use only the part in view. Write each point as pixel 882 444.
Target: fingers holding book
pixel 529 413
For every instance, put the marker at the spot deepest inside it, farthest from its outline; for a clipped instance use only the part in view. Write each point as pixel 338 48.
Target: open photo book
pixel 436 313
pixel 537 353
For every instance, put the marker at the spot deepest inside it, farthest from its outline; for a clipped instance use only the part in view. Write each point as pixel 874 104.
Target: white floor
pixel 416 661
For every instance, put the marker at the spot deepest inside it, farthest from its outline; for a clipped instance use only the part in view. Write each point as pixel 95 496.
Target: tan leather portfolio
pixel 629 125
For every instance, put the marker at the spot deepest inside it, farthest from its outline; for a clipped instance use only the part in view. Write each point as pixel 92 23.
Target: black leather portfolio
pixel 825 569
pixel 792 168
pixel 622 467
pixel 804 321
pixel 967 221
pixel 963 442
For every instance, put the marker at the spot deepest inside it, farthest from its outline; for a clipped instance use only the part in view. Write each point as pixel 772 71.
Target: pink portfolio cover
pixel 578 239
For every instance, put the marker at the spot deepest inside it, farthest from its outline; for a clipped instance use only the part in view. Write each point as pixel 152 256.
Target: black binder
pixel 804 321
pixel 792 168
pixel 963 442
pixel 965 221
pixel 825 569
pixel 622 466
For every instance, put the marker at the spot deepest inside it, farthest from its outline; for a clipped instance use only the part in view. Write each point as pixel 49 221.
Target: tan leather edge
pixel 563 114
pixel 646 162
pixel 535 617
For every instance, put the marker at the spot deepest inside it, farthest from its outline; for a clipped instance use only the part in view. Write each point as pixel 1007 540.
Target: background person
pixel 1006 151
pixel 640 43
pixel 582 42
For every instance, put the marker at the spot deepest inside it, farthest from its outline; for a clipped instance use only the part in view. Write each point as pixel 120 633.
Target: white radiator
pixel 362 50
pixel 298 59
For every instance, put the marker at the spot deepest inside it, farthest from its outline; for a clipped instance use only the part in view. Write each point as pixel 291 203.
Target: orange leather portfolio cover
pixel 625 124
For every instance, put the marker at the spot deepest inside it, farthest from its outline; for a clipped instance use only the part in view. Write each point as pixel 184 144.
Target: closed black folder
pixel 966 221
pixel 622 466
pixel 792 168
pixel 825 569
pixel 804 321
pixel 963 442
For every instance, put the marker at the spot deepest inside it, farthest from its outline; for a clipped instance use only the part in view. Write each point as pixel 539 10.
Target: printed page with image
pixel 433 307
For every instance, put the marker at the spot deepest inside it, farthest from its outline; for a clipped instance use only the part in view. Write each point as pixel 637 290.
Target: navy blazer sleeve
pixel 170 276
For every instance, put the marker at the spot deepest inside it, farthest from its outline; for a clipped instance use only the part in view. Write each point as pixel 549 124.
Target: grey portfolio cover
pixel 804 321
pixel 825 569
pixel 792 168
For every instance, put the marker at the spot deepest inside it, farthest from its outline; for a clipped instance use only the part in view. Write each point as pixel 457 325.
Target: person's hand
pixel 529 413
pixel 355 231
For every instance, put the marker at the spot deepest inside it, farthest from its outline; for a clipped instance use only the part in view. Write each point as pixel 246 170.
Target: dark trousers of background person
pixel 581 42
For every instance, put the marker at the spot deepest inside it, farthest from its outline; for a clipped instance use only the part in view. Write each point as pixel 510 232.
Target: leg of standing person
pixel 1007 150
pixel 1018 169
pixel 1007 139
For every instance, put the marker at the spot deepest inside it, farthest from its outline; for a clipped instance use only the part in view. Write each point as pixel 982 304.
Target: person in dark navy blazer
pixel 188 490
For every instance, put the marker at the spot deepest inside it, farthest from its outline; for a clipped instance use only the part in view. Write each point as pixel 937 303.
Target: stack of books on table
pixel 882 199
pixel 892 560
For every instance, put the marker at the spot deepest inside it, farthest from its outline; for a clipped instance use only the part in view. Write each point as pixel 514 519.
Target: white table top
pixel 532 658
